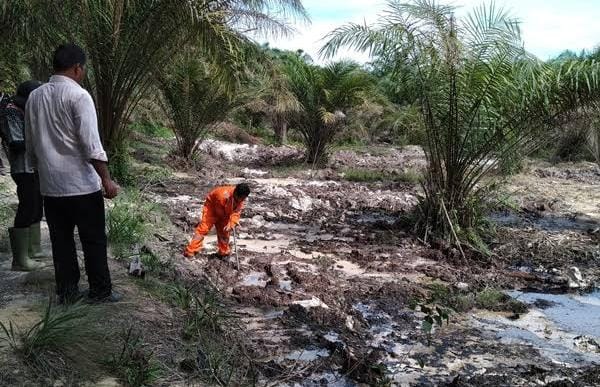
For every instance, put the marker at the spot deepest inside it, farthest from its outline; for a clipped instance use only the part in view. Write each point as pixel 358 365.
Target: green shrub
pixel 119 165
pixel 126 221
pixel 265 134
pixel 490 298
pixel 152 129
pixel 496 300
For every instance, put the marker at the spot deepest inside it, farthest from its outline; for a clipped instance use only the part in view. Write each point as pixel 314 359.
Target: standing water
pixel 563 327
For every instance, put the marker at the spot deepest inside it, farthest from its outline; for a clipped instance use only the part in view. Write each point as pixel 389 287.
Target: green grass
pixel 264 133
pixel 154 264
pixel 490 298
pixel 63 342
pixel 438 292
pixel 371 176
pixel 206 314
pixel 128 222
pixel 148 176
pixel 496 300
pixel 152 130
pixel 134 363
pixel 181 296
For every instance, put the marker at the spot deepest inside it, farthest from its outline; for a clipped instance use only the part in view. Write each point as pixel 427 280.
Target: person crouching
pixel 222 209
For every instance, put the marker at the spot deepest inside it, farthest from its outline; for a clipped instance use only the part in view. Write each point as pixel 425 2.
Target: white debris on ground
pixel 247 172
pixel 303 203
pixel 314 302
pixel 410 156
pixel 246 153
pixel 226 150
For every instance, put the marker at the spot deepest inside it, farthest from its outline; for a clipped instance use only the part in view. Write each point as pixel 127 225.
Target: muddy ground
pixel 332 277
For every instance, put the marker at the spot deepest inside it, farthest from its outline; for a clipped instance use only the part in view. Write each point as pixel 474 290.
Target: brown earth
pixel 330 273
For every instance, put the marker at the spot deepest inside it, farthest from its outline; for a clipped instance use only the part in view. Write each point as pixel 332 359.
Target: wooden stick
pixel 237 259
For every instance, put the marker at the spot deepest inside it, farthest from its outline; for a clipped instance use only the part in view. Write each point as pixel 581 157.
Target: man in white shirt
pixel 62 140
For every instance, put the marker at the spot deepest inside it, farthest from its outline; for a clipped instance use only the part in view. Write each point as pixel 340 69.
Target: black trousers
pixel 30 209
pixel 87 213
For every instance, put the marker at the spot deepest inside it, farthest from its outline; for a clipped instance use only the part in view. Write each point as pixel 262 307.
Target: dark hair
pixel 67 56
pixel 242 190
pixel 23 91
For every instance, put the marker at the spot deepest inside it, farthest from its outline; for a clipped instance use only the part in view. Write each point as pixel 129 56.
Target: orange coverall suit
pixel 217 211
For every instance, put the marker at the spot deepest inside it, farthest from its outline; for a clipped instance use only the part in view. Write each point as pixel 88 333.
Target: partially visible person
pixel 4 101
pixel 64 142
pixel 222 209
pixel 25 235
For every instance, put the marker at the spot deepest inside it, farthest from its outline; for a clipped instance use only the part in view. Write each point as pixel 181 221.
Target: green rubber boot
pixel 35 240
pixel 19 244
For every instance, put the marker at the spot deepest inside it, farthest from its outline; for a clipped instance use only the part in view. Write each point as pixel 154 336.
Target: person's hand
pixel 111 189
pixel 229 227
pixel 188 254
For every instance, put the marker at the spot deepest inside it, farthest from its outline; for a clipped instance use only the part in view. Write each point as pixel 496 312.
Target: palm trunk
pixel 280 128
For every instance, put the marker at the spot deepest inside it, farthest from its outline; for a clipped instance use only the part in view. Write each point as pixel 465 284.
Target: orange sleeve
pixel 234 218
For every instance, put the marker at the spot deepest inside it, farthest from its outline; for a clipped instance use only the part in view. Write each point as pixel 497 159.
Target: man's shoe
pixel 112 297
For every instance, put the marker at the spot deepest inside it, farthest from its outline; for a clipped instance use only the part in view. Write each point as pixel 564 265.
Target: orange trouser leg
pixel 203 228
pixel 223 239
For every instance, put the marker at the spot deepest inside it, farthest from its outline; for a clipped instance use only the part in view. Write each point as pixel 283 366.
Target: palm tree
pixel 194 100
pixel 130 40
pixel 270 95
pixel 481 96
pixel 325 95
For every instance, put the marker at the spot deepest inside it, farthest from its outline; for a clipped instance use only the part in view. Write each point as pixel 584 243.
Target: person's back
pixel 66 138
pixel 63 141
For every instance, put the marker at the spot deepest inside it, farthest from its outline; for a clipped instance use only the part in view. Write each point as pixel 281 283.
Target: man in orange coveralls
pixel 222 209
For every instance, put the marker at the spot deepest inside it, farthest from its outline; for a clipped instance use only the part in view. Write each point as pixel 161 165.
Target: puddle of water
pixel 274 246
pixel 255 279
pixel 566 330
pixel 307 354
pixel 285 285
pixel 579 314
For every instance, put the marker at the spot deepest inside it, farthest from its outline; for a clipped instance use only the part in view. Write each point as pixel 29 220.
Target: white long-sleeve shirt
pixel 61 131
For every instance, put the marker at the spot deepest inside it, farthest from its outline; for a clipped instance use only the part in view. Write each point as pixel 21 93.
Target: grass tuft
pixel 65 341
pixel 134 364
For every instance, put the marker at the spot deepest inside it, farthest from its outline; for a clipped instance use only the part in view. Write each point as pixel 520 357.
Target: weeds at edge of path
pixel 134 364
pixel 64 343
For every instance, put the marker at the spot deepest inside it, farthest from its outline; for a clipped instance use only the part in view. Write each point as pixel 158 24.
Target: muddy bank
pixel 329 276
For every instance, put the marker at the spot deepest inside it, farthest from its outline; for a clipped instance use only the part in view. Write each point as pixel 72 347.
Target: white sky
pixel 548 26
